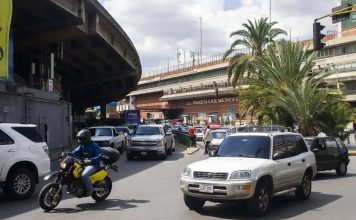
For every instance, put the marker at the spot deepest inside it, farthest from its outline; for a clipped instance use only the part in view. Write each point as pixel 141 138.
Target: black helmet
pixel 83 136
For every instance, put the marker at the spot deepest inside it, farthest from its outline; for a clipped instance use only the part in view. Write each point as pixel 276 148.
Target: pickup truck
pixel 150 140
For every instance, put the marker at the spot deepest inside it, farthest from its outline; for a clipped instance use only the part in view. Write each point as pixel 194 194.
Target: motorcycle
pixel 69 175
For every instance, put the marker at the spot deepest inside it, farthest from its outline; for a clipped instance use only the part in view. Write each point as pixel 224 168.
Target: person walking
pixel 191 134
pixel 207 138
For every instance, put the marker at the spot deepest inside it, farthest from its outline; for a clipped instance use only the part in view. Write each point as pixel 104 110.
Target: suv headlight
pixel 240 174
pixel 187 172
pixel 45 148
pixel 160 143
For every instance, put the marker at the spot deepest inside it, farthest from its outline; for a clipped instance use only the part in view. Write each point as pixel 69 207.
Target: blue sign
pixel 132 116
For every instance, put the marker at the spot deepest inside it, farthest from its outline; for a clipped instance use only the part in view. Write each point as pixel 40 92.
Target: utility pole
pixel 270 11
pixel 201 39
pixel 178 56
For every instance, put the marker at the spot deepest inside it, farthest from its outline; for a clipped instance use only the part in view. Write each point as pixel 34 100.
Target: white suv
pixel 251 167
pixel 23 159
pixel 107 136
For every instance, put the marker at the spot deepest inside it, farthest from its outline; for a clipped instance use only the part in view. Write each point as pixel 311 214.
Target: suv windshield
pixel 147 131
pixel 100 131
pixel 245 146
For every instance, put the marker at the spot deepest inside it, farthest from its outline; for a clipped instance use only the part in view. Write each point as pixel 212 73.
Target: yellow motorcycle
pixel 69 175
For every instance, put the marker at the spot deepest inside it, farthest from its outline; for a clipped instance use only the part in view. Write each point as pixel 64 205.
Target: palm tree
pixel 256 36
pixel 285 85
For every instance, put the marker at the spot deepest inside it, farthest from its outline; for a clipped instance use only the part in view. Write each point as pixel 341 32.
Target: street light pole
pixel 270 11
pixel 201 39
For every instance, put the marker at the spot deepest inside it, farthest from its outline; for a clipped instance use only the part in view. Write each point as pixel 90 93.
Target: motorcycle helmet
pixel 83 136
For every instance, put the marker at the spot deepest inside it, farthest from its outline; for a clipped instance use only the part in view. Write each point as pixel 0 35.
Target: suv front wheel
pixel 260 201
pixel 193 203
pixel 304 190
pixel 20 183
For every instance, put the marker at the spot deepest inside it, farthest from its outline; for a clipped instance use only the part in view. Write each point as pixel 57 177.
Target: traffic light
pixel 317 36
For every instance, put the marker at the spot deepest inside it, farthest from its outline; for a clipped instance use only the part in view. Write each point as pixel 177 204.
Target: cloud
pixel 159 27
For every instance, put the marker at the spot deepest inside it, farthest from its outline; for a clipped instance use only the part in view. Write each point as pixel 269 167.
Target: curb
pixel 352 152
pixel 191 150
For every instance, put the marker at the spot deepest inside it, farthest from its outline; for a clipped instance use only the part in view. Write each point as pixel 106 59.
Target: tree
pixel 256 36
pixel 284 84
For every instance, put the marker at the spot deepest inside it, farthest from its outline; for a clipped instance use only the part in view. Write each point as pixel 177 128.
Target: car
pixel 199 132
pixel 107 136
pixel 218 136
pixel 251 167
pixel 150 140
pixel 24 158
pixel 330 153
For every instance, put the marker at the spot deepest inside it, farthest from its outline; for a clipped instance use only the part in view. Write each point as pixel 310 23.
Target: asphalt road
pixel 149 189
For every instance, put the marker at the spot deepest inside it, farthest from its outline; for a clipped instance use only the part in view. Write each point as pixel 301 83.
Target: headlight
pixel 45 148
pixel 187 171
pixel 160 143
pixel 63 165
pixel 241 174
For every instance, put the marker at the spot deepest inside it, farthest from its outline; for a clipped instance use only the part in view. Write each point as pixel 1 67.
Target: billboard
pixel 349 23
pixel 5 21
pixel 132 116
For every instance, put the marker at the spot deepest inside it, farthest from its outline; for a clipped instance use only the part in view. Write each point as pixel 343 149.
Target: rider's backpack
pixel 110 155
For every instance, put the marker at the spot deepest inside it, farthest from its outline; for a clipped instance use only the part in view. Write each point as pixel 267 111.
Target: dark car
pixel 330 153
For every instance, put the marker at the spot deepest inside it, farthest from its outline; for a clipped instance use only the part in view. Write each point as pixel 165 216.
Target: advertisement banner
pixel 5 21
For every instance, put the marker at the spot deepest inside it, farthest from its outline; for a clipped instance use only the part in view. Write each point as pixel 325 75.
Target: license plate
pixel 143 153
pixel 206 188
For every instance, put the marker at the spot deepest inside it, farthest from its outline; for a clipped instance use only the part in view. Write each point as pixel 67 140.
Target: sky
pixel 160 28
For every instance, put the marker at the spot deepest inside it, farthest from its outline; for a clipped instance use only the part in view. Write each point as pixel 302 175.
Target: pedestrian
pixel 207 138
pixel 192 136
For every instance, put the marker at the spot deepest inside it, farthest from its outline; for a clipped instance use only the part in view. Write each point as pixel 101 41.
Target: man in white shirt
pixel 207 138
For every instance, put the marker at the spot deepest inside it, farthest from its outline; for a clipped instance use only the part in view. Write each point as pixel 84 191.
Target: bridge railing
pixel 190 66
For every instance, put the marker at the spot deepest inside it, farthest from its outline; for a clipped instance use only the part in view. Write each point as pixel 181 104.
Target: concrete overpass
pixel 95 62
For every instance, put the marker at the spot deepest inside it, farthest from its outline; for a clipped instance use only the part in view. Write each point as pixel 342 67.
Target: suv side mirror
pixel 279 155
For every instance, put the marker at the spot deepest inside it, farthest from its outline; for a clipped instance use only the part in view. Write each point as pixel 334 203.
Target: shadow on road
pixel 108 205
pixel 126 169
pixel 282 207
pixel 331 175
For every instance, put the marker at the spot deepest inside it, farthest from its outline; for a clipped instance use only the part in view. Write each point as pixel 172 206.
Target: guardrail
pixel 182 138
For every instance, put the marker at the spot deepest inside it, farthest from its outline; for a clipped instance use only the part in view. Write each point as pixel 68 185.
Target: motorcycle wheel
pixel 102 195
pixel 46 199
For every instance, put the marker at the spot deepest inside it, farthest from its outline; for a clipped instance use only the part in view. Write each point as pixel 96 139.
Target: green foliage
pixel 256 36
pixel 286 92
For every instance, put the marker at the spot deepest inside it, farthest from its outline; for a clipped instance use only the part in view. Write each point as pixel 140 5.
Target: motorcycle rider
pixel 91 151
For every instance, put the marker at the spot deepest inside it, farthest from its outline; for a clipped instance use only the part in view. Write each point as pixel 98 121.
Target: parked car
pixel 107 136
pixel 218 137
pixel 330 153
pixel 199 132
pixel 250 167
pixel 23 159
pixel 150 140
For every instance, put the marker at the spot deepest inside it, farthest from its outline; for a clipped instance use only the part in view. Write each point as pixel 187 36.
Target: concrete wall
pixel 25 105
